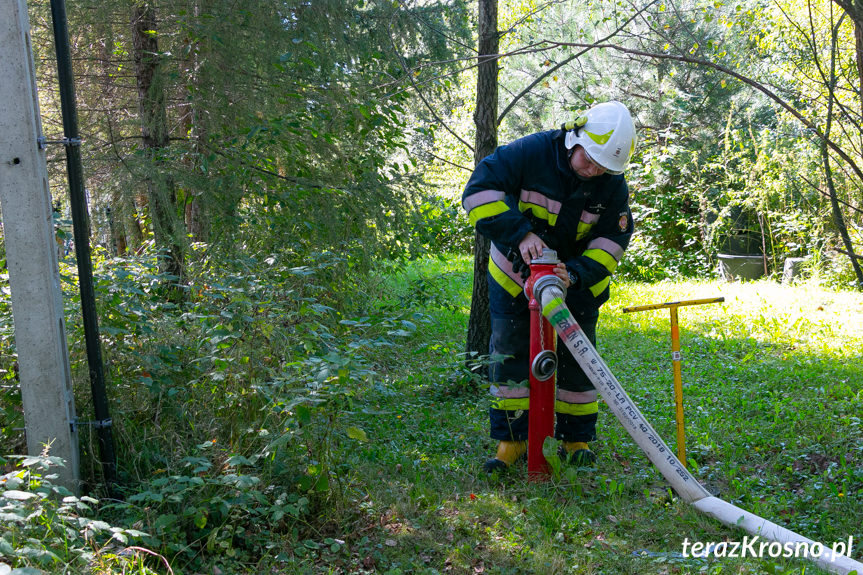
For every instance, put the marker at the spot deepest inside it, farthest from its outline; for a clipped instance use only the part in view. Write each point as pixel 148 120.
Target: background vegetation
pixel 295 168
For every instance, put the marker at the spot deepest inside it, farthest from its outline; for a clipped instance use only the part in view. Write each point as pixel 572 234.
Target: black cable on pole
pixel 81 225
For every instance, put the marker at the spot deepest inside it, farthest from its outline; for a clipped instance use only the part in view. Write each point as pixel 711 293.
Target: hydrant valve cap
pixel 544 365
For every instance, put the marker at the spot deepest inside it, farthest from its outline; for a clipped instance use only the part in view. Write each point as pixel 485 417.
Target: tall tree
pixel 485 118
pixel 854 9
pixel 154 129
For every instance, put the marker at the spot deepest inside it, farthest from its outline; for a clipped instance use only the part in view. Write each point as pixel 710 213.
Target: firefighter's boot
pixel 577 453
pixel 507 454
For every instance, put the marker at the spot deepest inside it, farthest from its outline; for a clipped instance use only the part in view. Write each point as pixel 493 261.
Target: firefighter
pixel 562 189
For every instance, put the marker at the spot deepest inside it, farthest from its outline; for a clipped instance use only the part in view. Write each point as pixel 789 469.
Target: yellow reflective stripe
pixel 487 211
pixel 504 280
pixel 551 305
pixel 606 259
pixel 511 404
pixel 582 230
pixel 538 211
pixel 559 406
pixel 598 288
pixel 576 408
pixel 599 139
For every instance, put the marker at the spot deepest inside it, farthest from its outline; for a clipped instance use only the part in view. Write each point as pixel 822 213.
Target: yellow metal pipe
pixel 678 385
pixel 673 303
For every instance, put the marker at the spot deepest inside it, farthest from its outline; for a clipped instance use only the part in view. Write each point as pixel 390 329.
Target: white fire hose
pixel 549 291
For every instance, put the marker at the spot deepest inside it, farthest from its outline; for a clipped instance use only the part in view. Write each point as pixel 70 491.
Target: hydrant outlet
pixel 544 365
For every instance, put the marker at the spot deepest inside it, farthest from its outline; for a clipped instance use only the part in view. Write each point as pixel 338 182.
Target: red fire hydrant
pixel 543 364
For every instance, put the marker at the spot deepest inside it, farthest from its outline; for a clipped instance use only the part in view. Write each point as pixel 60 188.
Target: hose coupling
pixel 547 281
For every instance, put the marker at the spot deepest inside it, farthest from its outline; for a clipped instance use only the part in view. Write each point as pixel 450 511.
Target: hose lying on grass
pixel 551 299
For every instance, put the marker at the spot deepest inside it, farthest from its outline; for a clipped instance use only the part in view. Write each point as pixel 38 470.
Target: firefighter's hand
pixel 531 247
pixel 518 265
pixel 561 272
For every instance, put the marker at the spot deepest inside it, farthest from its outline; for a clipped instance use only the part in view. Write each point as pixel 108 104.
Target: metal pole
pixel 31 254
pixel 81 223
pixel 678 385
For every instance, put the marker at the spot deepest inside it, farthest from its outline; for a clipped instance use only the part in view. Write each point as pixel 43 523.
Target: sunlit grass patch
pixel 772 406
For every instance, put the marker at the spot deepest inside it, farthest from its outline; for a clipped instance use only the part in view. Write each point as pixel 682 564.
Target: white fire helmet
pixel 608 136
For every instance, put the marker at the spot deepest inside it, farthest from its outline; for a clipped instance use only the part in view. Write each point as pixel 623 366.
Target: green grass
pixel 266 429
pixel 772 385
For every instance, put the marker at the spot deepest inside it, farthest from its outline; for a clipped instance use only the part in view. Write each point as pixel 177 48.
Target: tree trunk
pixel 154 129
pixel 858 40
pixel 131 221
pixel 197 221
pixel 485 118
pixel 113 212
pixel 854 9
pixel 838 219
pixel 117 243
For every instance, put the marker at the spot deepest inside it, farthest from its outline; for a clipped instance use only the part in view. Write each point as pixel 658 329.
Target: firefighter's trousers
pixel 575 403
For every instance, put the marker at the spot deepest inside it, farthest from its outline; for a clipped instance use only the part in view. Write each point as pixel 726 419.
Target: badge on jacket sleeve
pixel 623 221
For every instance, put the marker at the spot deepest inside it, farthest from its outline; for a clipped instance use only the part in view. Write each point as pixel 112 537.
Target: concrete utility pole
pixel 31 252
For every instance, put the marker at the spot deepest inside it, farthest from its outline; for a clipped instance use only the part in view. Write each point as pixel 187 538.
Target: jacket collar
pixel 562 154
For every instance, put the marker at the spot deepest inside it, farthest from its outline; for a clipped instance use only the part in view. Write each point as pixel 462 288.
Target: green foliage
pixel 712 148
pixel 11 417
pixel 757 373
pixel 47 527
pixel 692 203
pixel 441 227
pixel 225 511
pixel 307 408
pixel 288 122
pixel 250 384
pixel 668 240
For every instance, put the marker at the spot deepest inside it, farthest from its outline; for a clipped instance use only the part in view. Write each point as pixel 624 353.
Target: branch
pixel 825 194
pixel 440 32
pixel 291 179
pixel 534 48
pixel 444 160
pixel 531 14
pixel 854 9
pixel 422 96
pixel 556 67
pixel 812 43
pixel 838 219
pixel 729 72
pixel 851 255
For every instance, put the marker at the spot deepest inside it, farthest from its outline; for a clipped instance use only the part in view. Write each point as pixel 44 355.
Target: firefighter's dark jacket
pixel 527 186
